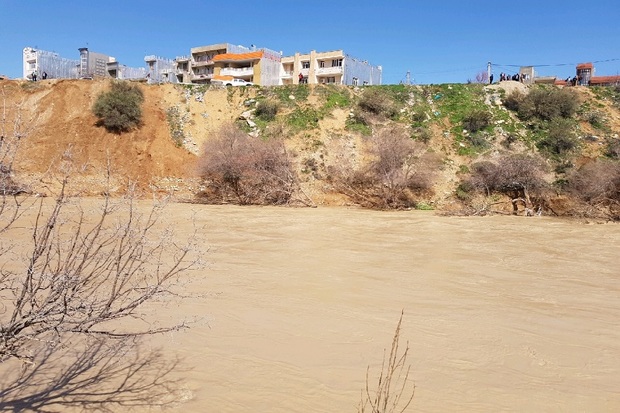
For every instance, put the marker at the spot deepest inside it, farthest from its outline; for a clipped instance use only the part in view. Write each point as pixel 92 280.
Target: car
pixel 232 82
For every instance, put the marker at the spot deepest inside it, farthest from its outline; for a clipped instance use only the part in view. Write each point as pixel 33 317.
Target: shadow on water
pixel 94 375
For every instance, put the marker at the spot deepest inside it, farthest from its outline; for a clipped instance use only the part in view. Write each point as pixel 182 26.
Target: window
pixel 305 65
pixel 337 63
pixel 322 63
pixel 355 81
pixel 331 80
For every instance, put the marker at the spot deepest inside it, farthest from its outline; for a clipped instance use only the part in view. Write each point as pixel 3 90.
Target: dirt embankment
pixel 56 124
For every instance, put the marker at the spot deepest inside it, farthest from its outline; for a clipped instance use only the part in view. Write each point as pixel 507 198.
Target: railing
pixel 334 70
pixel 201 76
pixel 237 71
pixel 181 58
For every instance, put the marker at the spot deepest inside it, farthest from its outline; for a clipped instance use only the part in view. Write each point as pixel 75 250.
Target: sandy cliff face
pixel 57 125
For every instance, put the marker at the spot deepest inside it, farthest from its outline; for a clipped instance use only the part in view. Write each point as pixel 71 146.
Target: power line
pixel 557 64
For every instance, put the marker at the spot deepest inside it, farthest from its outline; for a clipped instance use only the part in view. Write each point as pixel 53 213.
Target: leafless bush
pixel 241 169
pixel 597 184
pixel 394 391
pixel 71 280
pixel 398 168
pixel 612 149
pixel 519 176
pixel 482 77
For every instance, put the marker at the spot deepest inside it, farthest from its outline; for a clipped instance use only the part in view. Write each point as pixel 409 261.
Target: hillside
pixel 322 126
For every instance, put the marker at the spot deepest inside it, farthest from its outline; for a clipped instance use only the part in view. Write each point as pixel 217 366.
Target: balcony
pixel 201 76
pixel 182 59
pixel 200 63
pixel 329 71
pixel 237 71
pixel 287 75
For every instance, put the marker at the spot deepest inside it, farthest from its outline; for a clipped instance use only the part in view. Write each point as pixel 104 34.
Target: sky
pixel 448 41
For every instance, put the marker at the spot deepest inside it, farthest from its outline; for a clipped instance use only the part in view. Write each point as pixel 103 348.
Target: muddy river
pixel 502 314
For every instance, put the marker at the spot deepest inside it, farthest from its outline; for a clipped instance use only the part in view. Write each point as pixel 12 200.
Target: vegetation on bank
pixel 532 150
pixel 120 108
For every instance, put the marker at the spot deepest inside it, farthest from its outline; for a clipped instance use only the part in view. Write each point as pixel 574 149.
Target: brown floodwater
pixel 502 314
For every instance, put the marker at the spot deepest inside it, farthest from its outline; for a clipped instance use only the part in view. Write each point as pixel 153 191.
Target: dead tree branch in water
pixel 394 391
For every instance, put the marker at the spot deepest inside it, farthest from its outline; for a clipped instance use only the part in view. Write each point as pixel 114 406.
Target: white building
pixel 56 67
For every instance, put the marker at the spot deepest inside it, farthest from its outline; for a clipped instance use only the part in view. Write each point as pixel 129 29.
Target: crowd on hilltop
pixel 516 77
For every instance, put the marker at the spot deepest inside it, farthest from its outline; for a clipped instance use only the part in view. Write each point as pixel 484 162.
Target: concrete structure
pixel 224 61
pixel 94 64
pixel 160 69
pixel 527 74
pixel 56 67
pixel 89 64
pixel 334 67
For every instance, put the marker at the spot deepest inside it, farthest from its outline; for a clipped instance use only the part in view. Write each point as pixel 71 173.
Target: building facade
pixel 41 61
pixel 160 69
pixel 334 67
pixel 224 61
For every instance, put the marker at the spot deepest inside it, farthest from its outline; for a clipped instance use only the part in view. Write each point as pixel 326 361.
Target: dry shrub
pixel 597 184
pixel 519 176
pixel 398 168
pixel 246 170
pixel 394 390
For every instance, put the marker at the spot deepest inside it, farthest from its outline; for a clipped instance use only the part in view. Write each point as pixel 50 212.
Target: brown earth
pixel 57 123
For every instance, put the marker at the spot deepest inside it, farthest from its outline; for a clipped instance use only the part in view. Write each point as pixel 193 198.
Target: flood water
pixel 501 313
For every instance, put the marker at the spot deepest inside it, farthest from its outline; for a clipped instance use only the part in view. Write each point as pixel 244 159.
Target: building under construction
pixel 41 61
pixel 160 69
pixel 90 64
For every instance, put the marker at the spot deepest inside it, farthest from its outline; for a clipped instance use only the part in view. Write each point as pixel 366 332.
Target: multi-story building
pixel 328 67
pixel 160 69
pixel 94 64
pixel 90 64
pixel 42 61
pixel 199 67
pixel 226 61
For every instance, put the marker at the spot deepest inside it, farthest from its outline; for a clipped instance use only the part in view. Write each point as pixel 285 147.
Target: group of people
pixel 35 75
pixel 519 77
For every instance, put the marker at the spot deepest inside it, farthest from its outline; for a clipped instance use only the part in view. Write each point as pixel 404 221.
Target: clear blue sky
pixel 437 41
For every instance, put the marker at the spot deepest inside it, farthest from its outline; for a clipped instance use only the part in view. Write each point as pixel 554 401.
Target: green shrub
pixel 548 103
pixel 476 120
pixel 266 110
pixel 560 138
pixel 378 102
pixel 120 108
